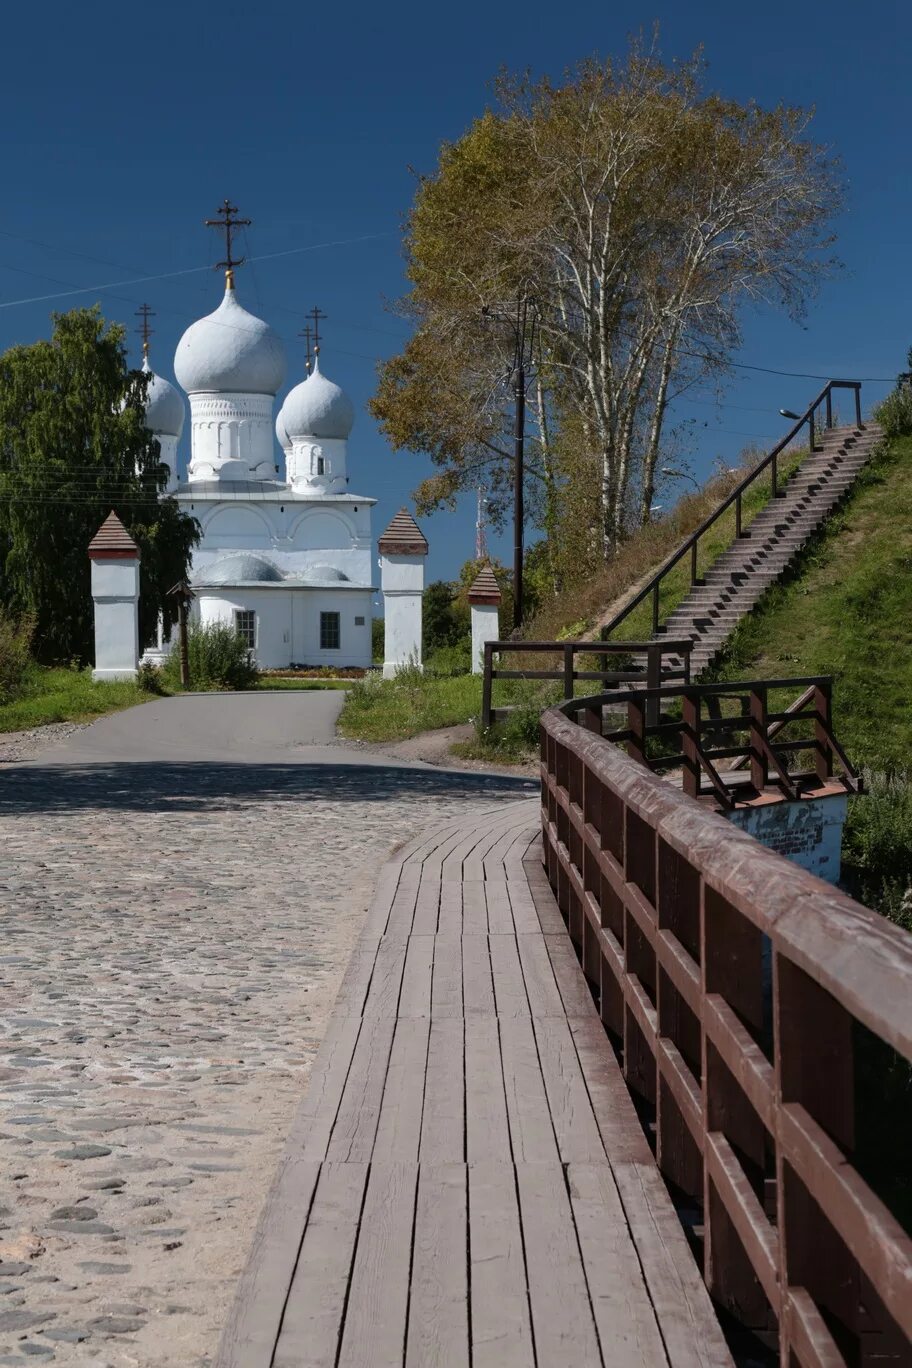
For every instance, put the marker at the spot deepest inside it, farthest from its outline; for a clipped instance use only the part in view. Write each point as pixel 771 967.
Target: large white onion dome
pixel 164 407
pixel 240 568
pixel 282 432
pixel 230 351
pixel 318 408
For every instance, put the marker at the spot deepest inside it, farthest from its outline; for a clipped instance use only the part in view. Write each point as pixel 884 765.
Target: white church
pixel 286 554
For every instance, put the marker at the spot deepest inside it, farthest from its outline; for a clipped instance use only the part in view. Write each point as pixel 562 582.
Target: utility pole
pixel 184 595
pixel 481 540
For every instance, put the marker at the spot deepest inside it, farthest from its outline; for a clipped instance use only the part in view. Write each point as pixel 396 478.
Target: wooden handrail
pixel 770 463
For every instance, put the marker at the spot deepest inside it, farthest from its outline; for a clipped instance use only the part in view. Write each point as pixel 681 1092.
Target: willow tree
pixel 73 445
pixel 641 213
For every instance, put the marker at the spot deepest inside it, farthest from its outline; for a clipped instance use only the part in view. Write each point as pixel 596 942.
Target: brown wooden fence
pixel 646 662
pixel 765 1028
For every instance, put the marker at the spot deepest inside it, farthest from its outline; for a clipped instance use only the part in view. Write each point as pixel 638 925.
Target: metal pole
pixel 184 650
pixel 518 441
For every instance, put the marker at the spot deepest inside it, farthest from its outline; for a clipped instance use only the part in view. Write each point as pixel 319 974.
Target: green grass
pixel 379 709
pixel 279 682
pixel 846 611
pixel 63 695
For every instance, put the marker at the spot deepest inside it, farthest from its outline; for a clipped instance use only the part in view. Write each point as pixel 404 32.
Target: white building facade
pixel 285 557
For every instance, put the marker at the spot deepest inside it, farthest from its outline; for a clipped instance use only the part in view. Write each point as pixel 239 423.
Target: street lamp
pixel 787 413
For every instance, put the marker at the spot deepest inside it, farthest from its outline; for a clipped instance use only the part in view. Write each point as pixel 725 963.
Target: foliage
pixel 640 212
pixel 877 845
pixel 439 624
pixel 378 709
pixel 450 660
pixel 15 656
pixel 72 447
pixel 895 412
pixel 66 695
pixel 150 679
pixel 217 656
pixel 378 627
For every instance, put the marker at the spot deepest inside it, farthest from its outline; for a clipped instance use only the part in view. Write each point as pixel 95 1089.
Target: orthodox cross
pixel 227 223
pixel 318 316
pixel 307 334
pixel 145 332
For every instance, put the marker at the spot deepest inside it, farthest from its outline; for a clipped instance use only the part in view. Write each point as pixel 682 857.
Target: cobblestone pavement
pixel 173 938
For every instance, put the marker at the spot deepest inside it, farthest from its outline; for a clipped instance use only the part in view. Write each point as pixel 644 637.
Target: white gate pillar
pixel 115 593
pixel 403 548
pixel 484 600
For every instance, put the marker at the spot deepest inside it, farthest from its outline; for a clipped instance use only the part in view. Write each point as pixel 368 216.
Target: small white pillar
pixel 484 599
pixel 403 548
pixel 115 592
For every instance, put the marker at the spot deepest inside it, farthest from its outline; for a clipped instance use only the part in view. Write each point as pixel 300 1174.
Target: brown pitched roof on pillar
pixel 484 587
pixel 112 541
pixel 403 537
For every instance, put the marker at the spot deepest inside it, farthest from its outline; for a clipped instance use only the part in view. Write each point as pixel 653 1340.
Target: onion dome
pixel 164 406
pixel 282 432
pixel 318 408
pixel 230 351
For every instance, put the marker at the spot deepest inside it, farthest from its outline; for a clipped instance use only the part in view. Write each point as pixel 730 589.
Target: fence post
pixel 486 685
pixel 823 706
pixel 690 734
pixel 636 725
pixel 568 671
pixel 858 406
pixel 759 769
pixel 591 719
pixel 829 407
pixel 655 608
pixel 738 515
pixel 774 475
pixel 653 680
pixel 693 562
pixel 811 426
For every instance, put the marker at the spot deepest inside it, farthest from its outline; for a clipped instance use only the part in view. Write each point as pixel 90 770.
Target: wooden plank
pixel 538 975
pixel 382 998
pixel 446 990
pixel 549 916
pixel 525 917
pixel 312 1323
pixel 402 912
pixel 509 985
pixel 375 1321
pixel 619 1126
pixel 531 1132
pixel 500 913
pixel 417 977
pixel 623 1311
pixel 487 1126
pixel 477 978
pixel 382 901
pixel 313 1121
pixel 253 1323
pixel 427 906
pixel 562 1323
pixel 443 1121
pixel 474 908
pixel 569 977
pixel 438 1323
pixel 578 1137
pixel 353 1131
pixel 355 983
pixel 399 1125
pixel 501 1328
pixel 692 1335
pixel 450 922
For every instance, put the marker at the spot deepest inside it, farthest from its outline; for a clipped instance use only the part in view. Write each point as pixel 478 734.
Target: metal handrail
pixel 735 496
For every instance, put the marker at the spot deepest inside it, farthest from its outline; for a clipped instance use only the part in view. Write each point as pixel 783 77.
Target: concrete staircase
pixel 736 581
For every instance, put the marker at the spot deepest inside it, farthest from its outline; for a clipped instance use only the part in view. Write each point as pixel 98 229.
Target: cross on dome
pixel 227 224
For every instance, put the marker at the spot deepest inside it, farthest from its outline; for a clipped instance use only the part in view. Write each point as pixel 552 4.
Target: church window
pixel 359 621
pixel 245 626
pixel 330 635
pixel 321 465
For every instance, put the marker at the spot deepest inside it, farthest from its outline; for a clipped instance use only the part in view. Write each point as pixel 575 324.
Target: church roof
pixel 239 568
pixel 403 537
pixel 317 407
pixel 112 540
pixel 164 406
pixel 230 351
pixel 484 587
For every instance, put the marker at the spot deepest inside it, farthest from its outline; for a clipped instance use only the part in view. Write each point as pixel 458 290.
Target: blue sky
pixel 125 126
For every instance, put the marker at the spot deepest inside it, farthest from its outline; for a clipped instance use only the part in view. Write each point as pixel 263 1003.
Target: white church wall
pixel 354 634
pixel 273 609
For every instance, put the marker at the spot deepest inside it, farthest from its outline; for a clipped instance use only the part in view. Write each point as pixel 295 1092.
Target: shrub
pixel 895 413
pixel 15 656
pixel 877 846
pixel 149 678
pixel 446 661
pixel 218 659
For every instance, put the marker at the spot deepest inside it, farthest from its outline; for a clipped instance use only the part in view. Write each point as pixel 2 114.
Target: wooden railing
pixel 698 736
pixel 661 661
pixel 763 1022
pixel 690 546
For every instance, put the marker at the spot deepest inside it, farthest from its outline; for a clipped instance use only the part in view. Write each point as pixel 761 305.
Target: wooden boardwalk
pixel 466 1182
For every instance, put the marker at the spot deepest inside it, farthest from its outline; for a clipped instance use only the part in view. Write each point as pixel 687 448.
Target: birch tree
pixel 643 214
